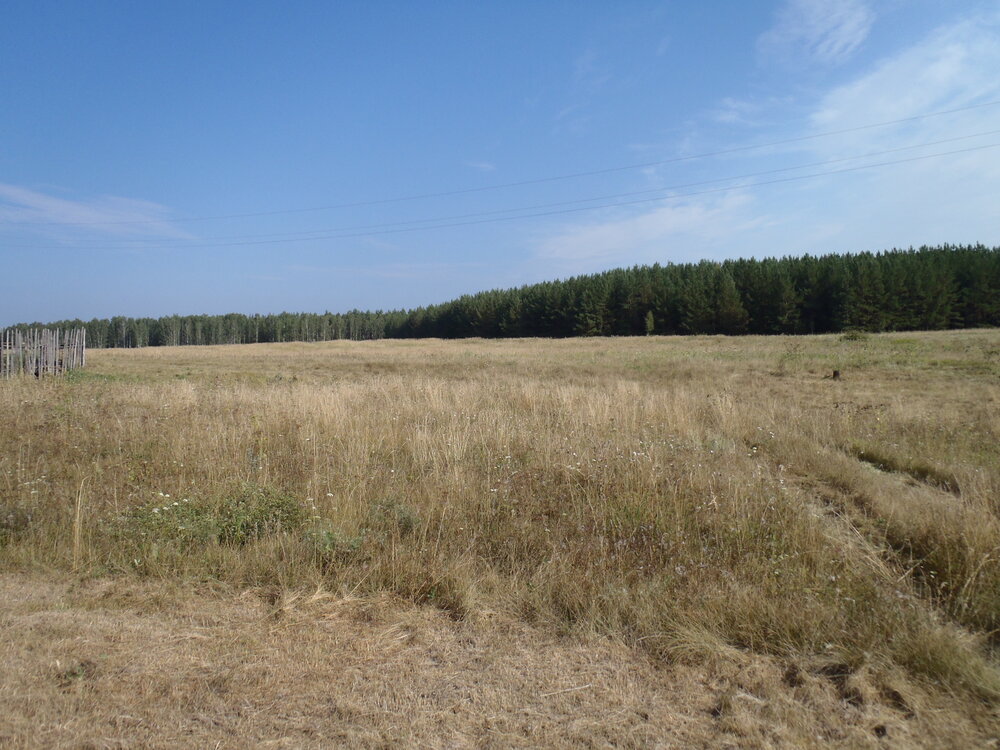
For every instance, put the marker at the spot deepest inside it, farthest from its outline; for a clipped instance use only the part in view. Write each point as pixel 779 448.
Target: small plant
pixel 182 523
pixel 81 670
pixel 237 519
pixel 392 516
pixel 854 335
pixel 791 355
pixel 331 545
pixel 256 511
pixel 14 521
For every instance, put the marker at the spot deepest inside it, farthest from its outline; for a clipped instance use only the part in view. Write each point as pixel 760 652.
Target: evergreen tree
pixel 697 308
pixel 929 288
pixel 730 315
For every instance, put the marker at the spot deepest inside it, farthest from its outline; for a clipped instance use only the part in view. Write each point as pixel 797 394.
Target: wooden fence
pixel 41 351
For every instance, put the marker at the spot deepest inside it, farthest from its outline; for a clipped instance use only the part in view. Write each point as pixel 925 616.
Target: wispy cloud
pixel 590 77
pixel 732 111
pixel 25 210
pixel 950 198
pixel 482 166
pixel 954 66
pixel 396 270
pixel 828 32
pixel 946 199
pixel 589 73
pixel 646 236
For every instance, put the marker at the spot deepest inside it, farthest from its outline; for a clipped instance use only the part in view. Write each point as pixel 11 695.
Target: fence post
pixel 41 351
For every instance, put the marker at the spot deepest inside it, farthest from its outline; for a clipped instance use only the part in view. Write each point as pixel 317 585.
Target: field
pixel 642 542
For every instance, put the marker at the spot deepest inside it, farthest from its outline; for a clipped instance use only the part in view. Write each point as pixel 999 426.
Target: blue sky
pixel 210 157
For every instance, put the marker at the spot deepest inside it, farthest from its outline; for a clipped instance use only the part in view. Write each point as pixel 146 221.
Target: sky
pixel 259 157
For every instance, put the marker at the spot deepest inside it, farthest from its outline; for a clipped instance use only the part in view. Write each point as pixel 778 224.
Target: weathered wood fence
pixel 41 351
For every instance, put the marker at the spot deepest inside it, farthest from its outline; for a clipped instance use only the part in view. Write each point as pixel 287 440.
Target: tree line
pixel 897 290
pixel 232 328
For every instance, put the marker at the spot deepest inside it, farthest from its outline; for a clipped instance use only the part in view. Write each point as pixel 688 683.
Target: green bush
pixel 182 523
pixel 236 519
pixel 256 511
pixel 331 545
pixel 854 335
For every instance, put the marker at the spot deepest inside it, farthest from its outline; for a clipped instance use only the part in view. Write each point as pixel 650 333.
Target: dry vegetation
pixel 603 542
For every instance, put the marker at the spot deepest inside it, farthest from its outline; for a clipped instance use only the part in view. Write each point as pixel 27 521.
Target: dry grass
pixel 708 525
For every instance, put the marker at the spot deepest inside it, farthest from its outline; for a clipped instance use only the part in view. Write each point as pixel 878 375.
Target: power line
pixel 612 196
pixel 305 235
pixel 384 231
pixel 522 183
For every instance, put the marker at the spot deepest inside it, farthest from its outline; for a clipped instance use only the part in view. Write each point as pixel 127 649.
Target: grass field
pixel 650 542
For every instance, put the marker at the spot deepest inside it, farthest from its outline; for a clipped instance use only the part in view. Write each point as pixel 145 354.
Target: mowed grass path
pixel 824 553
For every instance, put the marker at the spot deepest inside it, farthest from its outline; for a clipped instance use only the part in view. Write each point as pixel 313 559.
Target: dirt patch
pixel 124 664
pixel 120 664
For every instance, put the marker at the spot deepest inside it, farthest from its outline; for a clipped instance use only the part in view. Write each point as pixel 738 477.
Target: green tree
pixel 730 315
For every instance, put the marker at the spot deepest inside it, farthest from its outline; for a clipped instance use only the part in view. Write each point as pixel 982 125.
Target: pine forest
pixel 930 288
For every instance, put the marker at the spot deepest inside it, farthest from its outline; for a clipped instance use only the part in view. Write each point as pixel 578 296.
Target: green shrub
pixel 182 523
pixel 331 545
pixel 256 511
pixel 854 335
pixel 236 519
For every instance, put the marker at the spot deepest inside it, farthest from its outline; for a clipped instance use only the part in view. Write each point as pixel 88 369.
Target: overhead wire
pixel 344 234
pixel 413 223
pixel 520 183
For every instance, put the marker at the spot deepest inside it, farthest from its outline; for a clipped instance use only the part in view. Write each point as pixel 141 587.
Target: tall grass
pixel 687 496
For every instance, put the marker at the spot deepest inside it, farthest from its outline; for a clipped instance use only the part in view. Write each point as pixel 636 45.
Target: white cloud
pixel 955 66
pixel 589 74
pixel 25 210
pixel 828 32
pixel 646 236
pixel 732 111
pixel 949 198
pixel 590 77
pixel 482 166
